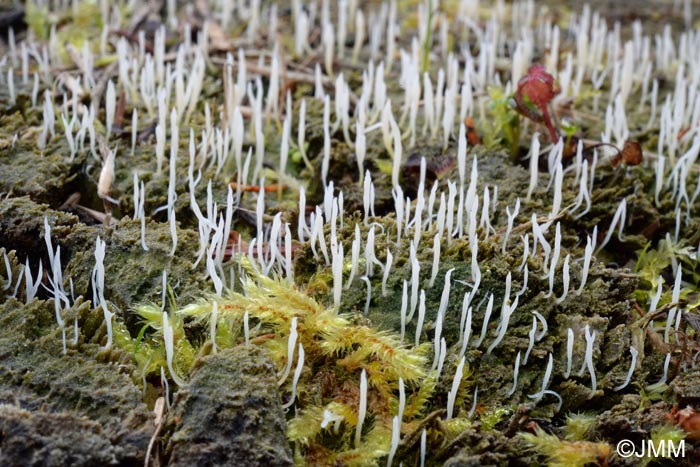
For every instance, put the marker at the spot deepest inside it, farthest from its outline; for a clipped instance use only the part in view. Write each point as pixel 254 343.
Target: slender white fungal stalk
pixel 326 140
pixel 526 251
pixel 246 328
pixel 295 379
pixel 555 259
pixel 452 395
pixel 659 169
pixel 472 202
pixel 431 205
pixel 227 221
pixel 397 149
pixel 588 255
pixel 657 296
pixel 565 280
pixel 531 342
pixel 134 130
pixel 466 301
pixel 395 438
pixel 472 411
pixel 415 273
pixel 362 411
pixel 418 222
pixel 407 215
pixel 328 41
pixel 516 370
pixel 370 256
pixel 359 35
pixel 618 219
pixel 397 194
pixel 169 349
pixel 633 364
pixel 98 274
pixel 340 202
pixel 110 106
pixel 68 130
pixel 485 221
pixel 588 358
pixel 545 380
pixel 142 215
pixel 438 333
pixel 402 399
pixel 366 196
pixel 442 211
pixel 317 233
pixel 462 168
pixel 387 268
pixel 583 193
pixel 136 196
pixel 291 343
pixel 259 217
pixel 404 308
pixel 445 297
pixel 354 255
pixel 369 293
pixel 675 296
pixel 49 247
pixel 302 230
pixel 211 270
pixel 337 267
pixel 511 218
pixel 166 386
pixel 485 325
pixel 436 259
pixel 569 351
pixel 553 159
pixel 558 181
pixel 360 148
pixel 59 294
pixel 421 317
pixel 441 358
pixel 534 161
pixel 284 145
pixel 423 447
pixel 11 86
pixel 9 271
pixel 49 119
pixel 467 332
pixel 523 289
pixel 474 246
pixel 506 311
pixel 212 325
pixel 538 236
pixel 594 164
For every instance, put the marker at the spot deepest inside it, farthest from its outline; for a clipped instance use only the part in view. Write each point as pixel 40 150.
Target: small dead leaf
pixel 632 153
pixel 472 135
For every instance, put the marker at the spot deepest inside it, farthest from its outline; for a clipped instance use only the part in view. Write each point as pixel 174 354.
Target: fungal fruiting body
pixel 454 161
